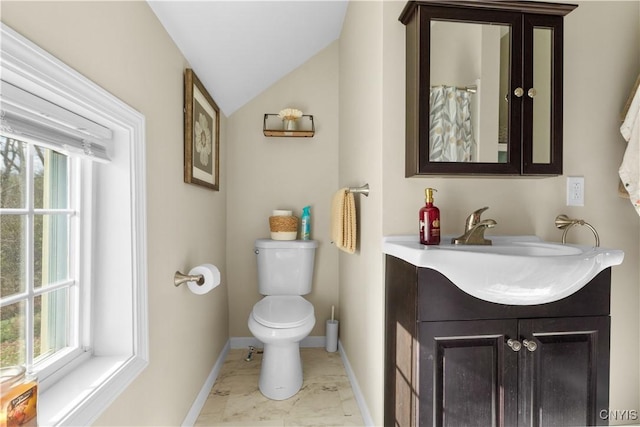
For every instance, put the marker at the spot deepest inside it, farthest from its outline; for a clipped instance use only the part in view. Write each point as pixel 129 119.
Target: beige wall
pixel 361 143
pixel 267 173
pixel 597 82
pixel 122 47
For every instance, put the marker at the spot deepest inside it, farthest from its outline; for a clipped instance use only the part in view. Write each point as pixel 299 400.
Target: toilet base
pixel 281 371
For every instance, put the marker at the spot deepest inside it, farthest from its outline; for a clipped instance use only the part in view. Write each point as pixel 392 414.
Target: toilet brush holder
pixel 332 336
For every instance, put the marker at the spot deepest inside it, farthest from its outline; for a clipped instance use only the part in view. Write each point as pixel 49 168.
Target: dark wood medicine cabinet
pixel 502 62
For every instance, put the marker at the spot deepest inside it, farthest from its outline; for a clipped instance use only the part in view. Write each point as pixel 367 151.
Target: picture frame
pixel 201 134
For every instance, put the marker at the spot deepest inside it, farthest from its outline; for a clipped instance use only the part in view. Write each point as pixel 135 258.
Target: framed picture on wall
pixel 201 134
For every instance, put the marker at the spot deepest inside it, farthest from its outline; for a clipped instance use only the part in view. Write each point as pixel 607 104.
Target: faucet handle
pixel 474 218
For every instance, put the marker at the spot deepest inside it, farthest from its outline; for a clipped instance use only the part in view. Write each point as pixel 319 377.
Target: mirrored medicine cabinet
pixel 484 87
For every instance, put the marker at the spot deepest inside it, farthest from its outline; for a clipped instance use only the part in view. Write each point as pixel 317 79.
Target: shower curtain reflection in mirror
pixel 450 131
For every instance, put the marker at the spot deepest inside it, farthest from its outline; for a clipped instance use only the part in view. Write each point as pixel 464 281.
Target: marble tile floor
pixel 325 399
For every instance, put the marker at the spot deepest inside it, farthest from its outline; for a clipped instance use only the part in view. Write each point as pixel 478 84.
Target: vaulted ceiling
pixel 239 48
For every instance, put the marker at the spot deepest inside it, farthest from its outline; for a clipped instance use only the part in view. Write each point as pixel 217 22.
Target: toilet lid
pixel 282 311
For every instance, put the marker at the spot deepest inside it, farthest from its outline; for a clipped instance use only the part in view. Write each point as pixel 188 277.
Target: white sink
pixel 515 270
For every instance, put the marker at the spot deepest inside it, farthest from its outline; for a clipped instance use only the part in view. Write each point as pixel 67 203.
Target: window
pixel 38 257
pixel 73 221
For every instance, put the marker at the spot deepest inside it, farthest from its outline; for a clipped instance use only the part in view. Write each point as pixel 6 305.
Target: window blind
pixel 24 115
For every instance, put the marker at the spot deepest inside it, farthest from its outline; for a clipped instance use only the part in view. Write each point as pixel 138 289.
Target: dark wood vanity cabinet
pixel 504 61
pixel 451 358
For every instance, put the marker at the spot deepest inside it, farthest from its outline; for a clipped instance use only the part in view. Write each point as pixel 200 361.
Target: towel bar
pixel 360 190
pixel 563 222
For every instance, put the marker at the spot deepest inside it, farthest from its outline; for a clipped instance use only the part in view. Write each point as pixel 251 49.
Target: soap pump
pixel 429 220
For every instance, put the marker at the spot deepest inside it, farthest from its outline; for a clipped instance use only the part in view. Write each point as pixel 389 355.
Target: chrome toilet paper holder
pixel 180 278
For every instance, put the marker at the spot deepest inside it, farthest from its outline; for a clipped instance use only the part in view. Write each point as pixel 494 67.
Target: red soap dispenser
pixel 429 220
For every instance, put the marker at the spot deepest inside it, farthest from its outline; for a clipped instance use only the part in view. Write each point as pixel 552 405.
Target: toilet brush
pixel 332 332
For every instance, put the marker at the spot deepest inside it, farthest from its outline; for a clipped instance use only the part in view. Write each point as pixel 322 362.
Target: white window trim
pixel 50 363
pixel 117 357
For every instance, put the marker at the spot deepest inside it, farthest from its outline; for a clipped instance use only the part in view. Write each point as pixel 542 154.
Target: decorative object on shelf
pixel 289 118
pixel 201 134
pixel 278 125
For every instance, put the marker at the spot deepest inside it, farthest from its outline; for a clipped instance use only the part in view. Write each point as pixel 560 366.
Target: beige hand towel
pixel 343 221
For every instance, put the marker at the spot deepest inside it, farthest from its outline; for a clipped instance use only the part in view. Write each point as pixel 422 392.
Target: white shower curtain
pixel 450 133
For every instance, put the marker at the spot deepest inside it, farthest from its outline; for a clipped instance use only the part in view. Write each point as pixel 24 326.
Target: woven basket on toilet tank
pixel 283 227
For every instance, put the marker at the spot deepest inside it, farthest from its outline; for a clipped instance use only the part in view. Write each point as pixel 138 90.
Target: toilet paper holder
pixel 179 279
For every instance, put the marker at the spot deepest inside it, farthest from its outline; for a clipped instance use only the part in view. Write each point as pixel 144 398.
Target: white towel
pixel 630 168
pixel 343 221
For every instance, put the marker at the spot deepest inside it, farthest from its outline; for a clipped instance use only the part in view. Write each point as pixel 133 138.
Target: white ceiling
pixel 239 48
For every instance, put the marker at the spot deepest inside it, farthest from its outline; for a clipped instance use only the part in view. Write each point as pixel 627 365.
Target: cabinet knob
pixel 514 344
pixel 518 92
pixel 532 92
pixel 530 345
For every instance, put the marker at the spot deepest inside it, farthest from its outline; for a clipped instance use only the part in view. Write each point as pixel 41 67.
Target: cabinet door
pixel 467 373
pixel 564 381
pixel 542 95
pixel 462 64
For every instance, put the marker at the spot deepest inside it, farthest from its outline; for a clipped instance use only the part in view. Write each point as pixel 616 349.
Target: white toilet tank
pixel 285 267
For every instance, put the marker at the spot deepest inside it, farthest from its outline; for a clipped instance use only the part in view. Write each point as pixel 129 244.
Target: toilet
pixel 282 318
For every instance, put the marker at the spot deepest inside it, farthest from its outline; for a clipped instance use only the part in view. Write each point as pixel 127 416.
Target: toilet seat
pixel 283 311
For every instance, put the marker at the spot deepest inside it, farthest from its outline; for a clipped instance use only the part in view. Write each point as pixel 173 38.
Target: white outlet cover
pixel 575 191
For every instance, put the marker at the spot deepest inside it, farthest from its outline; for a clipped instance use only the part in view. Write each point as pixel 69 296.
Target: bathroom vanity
pixel 452 359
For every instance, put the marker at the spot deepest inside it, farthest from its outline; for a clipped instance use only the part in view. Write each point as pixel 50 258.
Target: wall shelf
pixel 273 126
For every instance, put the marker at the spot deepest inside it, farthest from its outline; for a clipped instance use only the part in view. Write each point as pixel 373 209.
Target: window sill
pixel 81 396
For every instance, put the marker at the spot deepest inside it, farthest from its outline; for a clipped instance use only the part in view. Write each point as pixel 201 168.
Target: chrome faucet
pixel 474 230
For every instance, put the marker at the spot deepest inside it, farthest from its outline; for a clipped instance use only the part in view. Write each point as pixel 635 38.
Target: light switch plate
pixel 575 191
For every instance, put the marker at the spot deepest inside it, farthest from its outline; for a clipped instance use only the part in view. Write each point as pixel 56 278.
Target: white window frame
pixel 119 349
pixel 76 190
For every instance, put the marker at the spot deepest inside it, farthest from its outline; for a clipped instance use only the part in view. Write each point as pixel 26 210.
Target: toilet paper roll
pixel 211 278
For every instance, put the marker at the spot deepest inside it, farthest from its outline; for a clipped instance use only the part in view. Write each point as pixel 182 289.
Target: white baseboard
pixel 245 342
pixel 201 398
pixel 362 404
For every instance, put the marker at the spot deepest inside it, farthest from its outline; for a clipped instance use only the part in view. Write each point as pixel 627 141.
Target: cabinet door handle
pixel 530 345
pixel 532 92
pixel 514 344
pixel 518 92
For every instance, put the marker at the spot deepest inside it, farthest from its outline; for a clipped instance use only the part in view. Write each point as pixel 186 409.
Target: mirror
pixel 469 111
pixel 542 77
